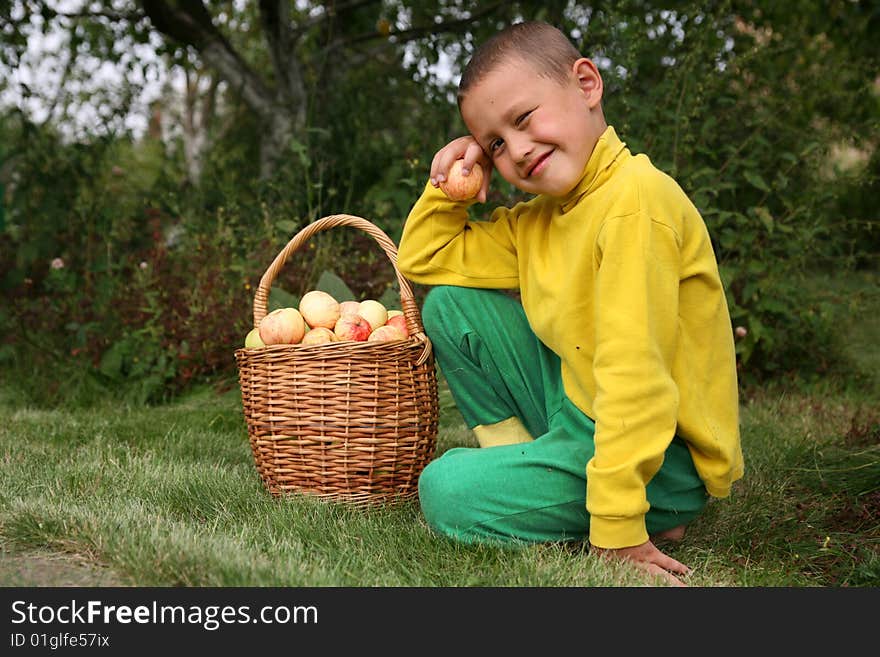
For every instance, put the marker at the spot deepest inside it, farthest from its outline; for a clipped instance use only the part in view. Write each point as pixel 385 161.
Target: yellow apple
pixel 319 335
pixel 459 187
pixel 319 309
pixel 252 339
pixel 282 326
pixel 374 312
pixel 386 333
pixel 349 307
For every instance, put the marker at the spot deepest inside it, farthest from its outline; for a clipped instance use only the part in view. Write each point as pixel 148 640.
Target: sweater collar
pixel 599 167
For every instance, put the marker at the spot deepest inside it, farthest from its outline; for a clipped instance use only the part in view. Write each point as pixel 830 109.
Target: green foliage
pixel 762 114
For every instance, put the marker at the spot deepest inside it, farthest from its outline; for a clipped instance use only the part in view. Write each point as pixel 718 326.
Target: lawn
pixel 117 494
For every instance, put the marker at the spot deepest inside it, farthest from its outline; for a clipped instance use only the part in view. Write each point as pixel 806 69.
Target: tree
pixel 297 48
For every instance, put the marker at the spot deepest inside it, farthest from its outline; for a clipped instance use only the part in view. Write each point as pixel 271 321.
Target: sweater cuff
pixel 613 533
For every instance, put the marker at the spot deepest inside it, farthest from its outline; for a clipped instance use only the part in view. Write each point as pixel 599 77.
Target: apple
pixel 319 309
pixel 374 312
pixel 319 335
pixel 349 307
pixel 252 339
pixel 459 187
pixel 352 327
pixel 386 333
pixel 392 313
pixel 282 326
pixel 399 321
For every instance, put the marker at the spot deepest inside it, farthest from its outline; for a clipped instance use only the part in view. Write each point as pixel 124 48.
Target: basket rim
pixel 341 349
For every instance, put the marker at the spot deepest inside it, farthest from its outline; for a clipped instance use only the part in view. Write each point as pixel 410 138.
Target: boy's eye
pixel 522 118
pixel 495 145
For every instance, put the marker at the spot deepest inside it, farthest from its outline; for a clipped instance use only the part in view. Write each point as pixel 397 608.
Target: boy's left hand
pixel 649 558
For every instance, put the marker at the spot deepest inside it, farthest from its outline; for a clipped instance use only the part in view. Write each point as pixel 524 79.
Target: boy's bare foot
pixel 675 534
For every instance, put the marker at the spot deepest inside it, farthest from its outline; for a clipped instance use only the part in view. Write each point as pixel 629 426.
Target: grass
pixel 111 493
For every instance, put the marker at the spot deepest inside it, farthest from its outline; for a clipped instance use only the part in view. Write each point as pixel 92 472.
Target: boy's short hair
pixel 537 43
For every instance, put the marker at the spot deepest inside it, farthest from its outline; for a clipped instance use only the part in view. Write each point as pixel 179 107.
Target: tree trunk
pixel 282 108
pixel 281 129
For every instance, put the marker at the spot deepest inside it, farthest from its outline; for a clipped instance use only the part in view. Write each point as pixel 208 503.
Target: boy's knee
pixel 440 496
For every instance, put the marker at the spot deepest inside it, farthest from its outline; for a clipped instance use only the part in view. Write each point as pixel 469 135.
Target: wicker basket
pixel 352 422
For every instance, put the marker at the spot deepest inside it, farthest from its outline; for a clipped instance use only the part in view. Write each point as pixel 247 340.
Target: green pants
pixel 535 491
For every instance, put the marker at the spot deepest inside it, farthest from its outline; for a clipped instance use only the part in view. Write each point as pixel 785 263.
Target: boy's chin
pixel 547 185
pixel 556 190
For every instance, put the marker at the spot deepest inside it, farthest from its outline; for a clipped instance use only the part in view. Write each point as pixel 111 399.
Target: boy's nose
pixel 520 148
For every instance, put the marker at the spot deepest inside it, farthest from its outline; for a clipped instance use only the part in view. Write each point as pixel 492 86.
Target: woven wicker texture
pixel 352 422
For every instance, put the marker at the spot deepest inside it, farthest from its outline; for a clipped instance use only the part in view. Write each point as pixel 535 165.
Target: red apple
pixel 399 321
pixel 352 327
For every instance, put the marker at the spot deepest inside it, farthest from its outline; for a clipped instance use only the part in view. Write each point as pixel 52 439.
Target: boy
pixel 605 404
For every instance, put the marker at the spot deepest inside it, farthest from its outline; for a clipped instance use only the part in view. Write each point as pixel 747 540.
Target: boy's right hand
pixel 467 149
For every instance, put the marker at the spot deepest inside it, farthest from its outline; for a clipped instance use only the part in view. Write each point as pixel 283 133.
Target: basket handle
pixel 408 304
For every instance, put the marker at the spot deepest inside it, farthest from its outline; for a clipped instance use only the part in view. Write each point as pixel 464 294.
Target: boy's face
pixel 538 132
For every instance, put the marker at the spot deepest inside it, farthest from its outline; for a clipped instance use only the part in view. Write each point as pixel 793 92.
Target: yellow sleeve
pixel 636 402
pixel 440 246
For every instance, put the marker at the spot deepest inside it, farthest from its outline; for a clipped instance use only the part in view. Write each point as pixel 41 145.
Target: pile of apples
pixel 320 319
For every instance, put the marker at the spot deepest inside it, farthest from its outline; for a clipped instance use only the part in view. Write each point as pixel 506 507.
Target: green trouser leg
pixel 535 491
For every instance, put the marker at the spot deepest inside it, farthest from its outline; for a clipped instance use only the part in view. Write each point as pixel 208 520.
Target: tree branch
pixel 190 24
pixel 419 31
pixel 337 9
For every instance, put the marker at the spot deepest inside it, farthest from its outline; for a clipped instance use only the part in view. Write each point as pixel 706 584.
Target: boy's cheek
pixel 509 174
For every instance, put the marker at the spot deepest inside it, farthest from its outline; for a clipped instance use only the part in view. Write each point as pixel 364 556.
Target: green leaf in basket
pixel 281 298
pixel 334 286
pixel 391 296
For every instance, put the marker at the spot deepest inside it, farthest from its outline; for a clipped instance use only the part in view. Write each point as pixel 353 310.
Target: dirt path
pixel 43 568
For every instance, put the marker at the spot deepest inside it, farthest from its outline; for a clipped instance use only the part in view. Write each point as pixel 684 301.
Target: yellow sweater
pixel 620 280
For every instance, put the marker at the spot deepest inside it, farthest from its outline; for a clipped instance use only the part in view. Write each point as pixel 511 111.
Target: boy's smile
pixel 538 131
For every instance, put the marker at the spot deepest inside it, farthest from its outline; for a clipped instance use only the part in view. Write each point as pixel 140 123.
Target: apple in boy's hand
pixel 374 312
pixel 252 339
pixel 282 326
pixel 352 327
pixel 319 309
pixel 459 187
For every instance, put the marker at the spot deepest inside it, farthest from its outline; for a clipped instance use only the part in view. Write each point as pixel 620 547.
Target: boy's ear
pixel 589 80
